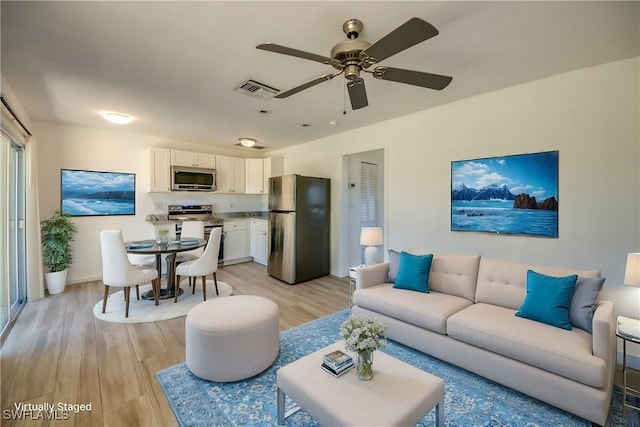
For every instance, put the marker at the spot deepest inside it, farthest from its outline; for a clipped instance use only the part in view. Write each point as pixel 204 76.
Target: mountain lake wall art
pixel 94 193
pixel 516 194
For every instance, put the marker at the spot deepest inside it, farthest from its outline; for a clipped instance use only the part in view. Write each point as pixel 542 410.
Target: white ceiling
pixel 174 65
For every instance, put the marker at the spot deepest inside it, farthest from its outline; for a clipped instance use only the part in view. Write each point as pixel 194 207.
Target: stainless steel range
pixel 204 213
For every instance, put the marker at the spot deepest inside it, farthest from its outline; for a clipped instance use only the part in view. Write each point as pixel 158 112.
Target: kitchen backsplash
pixel 155 218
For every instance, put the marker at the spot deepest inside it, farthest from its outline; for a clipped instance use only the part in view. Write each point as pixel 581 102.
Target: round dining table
pixel 151 247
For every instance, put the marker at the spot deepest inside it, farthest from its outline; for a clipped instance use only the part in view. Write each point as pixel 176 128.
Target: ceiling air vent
pixel 257 90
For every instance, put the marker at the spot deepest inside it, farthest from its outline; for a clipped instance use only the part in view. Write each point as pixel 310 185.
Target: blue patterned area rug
pixel 470 400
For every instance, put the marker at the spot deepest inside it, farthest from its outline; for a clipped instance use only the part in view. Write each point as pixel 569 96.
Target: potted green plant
pixel 57 234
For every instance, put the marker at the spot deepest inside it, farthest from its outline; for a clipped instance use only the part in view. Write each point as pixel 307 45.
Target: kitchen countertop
pixel 164 218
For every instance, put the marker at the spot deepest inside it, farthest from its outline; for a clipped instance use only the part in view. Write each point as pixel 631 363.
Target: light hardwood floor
pixel 59 352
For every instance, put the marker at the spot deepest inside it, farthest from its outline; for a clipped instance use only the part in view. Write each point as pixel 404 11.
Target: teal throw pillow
pixel 548 299
pixel 413 272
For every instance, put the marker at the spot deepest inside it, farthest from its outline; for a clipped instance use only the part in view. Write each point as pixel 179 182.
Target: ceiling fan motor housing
pixel 347 53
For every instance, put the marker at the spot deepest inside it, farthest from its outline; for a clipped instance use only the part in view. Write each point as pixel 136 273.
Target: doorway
pixel 12 232
pixel 365 200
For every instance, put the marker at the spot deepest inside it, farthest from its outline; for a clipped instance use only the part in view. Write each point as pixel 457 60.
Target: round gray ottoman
pixel 233 338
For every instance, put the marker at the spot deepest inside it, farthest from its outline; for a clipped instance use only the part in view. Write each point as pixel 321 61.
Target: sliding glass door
pixel 12 233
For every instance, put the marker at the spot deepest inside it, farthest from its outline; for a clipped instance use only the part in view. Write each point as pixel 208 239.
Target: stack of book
pixel 337 363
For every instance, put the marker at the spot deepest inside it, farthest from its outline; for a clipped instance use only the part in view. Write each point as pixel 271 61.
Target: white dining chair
pixel 118 271
pixel 191 230
pixel 203 266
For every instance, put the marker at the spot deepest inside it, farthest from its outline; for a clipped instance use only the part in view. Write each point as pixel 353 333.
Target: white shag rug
pixel 146 310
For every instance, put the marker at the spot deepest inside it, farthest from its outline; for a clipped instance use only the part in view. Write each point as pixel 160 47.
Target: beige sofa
pixel 468 319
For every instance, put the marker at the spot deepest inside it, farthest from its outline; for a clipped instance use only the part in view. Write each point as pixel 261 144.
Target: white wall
pixel 73 147
pixel 590 115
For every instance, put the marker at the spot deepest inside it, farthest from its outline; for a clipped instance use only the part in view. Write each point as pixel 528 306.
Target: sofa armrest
pixel 604 332
pixel 372 275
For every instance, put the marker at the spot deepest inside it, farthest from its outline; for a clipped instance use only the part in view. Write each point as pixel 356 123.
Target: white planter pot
pixel 56 281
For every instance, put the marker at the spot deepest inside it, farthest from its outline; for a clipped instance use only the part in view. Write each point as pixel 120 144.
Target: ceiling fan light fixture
pixel 247 142
pixel 116 118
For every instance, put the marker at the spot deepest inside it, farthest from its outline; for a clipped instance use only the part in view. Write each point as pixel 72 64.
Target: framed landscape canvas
pixel 95 193
pixel 516 194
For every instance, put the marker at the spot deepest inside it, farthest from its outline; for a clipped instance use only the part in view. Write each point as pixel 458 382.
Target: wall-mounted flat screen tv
pixel 514 194
pixel 96 193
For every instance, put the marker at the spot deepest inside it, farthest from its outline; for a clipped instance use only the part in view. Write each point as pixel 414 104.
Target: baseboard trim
pixel 237 261
pixel 84 280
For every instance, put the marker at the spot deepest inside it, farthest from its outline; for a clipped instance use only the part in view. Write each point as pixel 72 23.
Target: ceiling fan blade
pixel 412 32
pixel 294 52
pixel 357 93
pixel 304 86
pixel 416 78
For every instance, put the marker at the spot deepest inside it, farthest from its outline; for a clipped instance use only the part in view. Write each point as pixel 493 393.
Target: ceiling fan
pixel 355 55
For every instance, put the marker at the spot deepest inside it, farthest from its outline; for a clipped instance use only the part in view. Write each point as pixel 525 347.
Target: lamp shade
pixel 632 272
pixel 371 236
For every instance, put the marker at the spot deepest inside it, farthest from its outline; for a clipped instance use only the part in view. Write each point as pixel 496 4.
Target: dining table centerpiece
pixel 363 335
pixel 162 236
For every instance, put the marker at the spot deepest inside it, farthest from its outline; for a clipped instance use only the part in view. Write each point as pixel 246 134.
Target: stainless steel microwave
pixel 184 178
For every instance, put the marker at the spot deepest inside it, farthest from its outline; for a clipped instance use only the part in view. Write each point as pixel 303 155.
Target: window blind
pixel 368 194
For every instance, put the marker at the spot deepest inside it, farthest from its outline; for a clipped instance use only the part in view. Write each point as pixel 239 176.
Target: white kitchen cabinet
pixel 258 172
pixel 259 242
pixel 236 241
pixel 160 170
pixel 230 174
pixel 254 169
pixel 192 159
pixel 273 166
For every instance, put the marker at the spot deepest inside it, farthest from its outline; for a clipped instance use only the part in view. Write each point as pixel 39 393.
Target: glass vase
pixel 162 238
pixel 364 365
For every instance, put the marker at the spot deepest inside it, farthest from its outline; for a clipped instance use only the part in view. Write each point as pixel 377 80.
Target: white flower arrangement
pixel 363 334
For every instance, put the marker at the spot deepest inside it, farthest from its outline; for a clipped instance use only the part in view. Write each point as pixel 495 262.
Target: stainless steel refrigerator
pixel 298 228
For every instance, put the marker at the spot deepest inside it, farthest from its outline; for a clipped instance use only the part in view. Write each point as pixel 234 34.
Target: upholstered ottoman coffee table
pixel 397 395
pixel 232 338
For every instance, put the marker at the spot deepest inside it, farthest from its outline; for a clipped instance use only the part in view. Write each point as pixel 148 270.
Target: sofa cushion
pixel 394 264
pixel 563 352
pixel 548 299
pixel 455 275
pixel 428 311
pixel 503 283
pixel 584 301
pixel 413 273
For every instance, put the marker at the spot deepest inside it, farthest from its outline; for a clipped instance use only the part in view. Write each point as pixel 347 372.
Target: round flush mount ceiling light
pixel 117 118
pixel 247 142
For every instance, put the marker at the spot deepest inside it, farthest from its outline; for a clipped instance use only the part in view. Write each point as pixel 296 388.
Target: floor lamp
pixel 370 237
